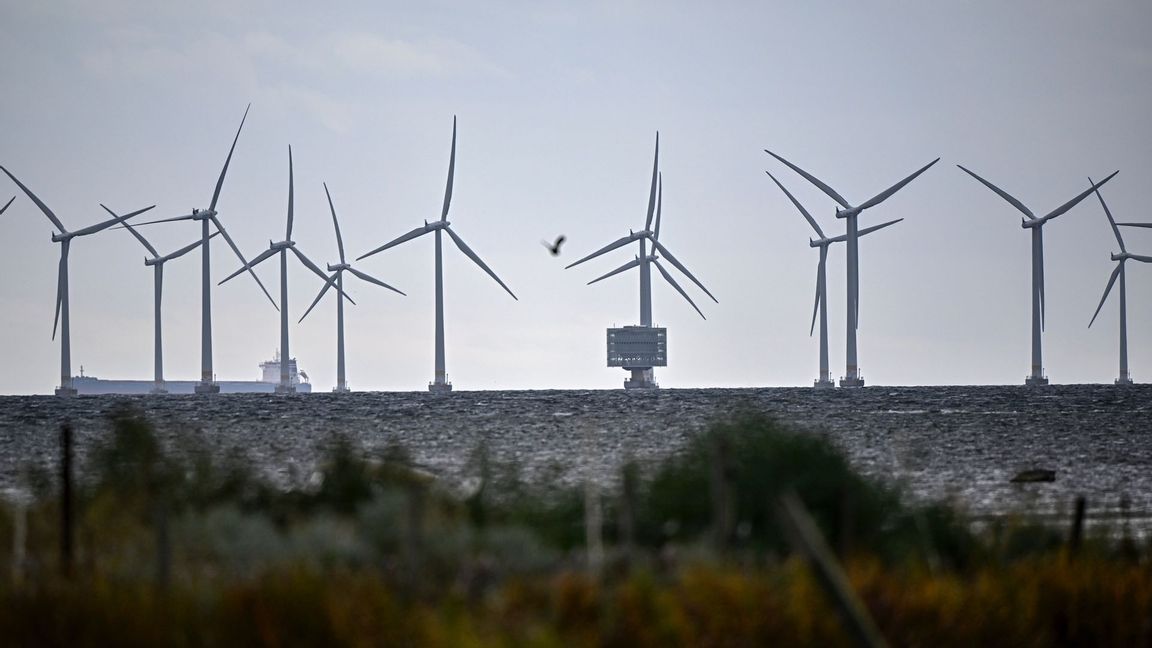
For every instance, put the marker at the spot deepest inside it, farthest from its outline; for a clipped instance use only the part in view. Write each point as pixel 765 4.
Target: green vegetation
pixel 175 543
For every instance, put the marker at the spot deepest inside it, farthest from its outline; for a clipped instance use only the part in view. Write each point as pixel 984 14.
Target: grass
pixel 175 544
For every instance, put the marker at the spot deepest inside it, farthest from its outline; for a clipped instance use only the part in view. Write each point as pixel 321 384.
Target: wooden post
pixel 627 513
pixel 1075 537
pixel 593 525
pixel 19 540
pixel 66 521
pixel 807 540
pixel 723 515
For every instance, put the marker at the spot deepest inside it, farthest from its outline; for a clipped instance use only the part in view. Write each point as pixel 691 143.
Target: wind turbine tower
pixel 824 381
pixel 1030 221
pixel 638 349
pixel 852 375
pixel 440 376
pixel 337 279
pixel 63 316
pixel 1125 377
pixel 282 248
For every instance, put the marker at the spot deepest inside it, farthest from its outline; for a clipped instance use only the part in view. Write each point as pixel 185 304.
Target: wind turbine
pixel 852 376
pixel 1036 224
pixel 338 279
pixel 283 247
pixel 208 219
pixel 62 318
pixel 642 377
pixel 157 262
pixel 1125 377
pixel 821 305
pixel 440 377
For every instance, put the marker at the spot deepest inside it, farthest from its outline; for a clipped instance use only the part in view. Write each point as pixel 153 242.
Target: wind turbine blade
pixel 7 205
pixel 626 266
pixel 336 223
pixel 1040 235
pixel 162 220
pixel 869 230
pixel 669 279
pixel 227 161
pixel 659 204
pixel 472 255
pixel 621 242
pixel 1107 289
pixel 1141 258
pixel 39 203
pixel 1072 203
pixel 60 285
pixel 887 193
pixel 1003 194
pixel 451 173
pixel 236 251
pixel 819 287
pixel 397 241
pixel 308 264
pixel 327 284
pixel 370 279
pixel 680 266
pixel 139 237
pixel 652 191
pixel 92 229
pixel 249 265
pixel 1134 224
pixel 291 192
pixel 1111 221
pixel 814 180
pixel 186 249
pixel 811 221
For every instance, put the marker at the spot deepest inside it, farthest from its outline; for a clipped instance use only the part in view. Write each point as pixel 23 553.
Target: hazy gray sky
pixel 131 103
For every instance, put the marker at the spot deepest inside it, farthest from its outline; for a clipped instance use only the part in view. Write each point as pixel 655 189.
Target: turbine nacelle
pixel 1123 256
pixel 436 225
pixel 338 267
pixel 202 214
pixel 282 245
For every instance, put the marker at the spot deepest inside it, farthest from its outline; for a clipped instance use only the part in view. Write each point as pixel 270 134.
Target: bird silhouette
pixel 554 248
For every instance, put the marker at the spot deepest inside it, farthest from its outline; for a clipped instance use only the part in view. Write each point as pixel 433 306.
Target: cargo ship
pixel 269 379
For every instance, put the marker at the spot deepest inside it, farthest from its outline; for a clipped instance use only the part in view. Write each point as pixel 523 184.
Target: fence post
pixel 66 522
pixel 723 514
pixel 1076 536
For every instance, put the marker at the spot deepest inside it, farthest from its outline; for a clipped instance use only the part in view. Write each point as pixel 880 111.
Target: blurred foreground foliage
pixel 177 542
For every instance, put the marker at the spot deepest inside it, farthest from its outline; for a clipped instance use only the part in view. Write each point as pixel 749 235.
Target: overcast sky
pixel 132 103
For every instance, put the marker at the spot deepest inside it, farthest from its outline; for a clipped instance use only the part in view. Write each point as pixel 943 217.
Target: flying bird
pixel 554 248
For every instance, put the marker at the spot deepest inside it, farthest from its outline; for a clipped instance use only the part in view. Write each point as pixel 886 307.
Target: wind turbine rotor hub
pixel 338 267
pixel 1123 256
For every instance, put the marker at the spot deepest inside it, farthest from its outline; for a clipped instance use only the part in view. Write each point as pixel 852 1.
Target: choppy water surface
pixel 962 443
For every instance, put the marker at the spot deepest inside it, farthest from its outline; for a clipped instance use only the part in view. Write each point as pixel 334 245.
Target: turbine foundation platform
pixel 340 390
pixel 858 381
pixel 1036 381
pixel 1124 380
pixel 66 392
pixel 824 383
pixel 641 379
pixel 207 388
pixel 158 390
pixel 439 388
pixel 285 389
